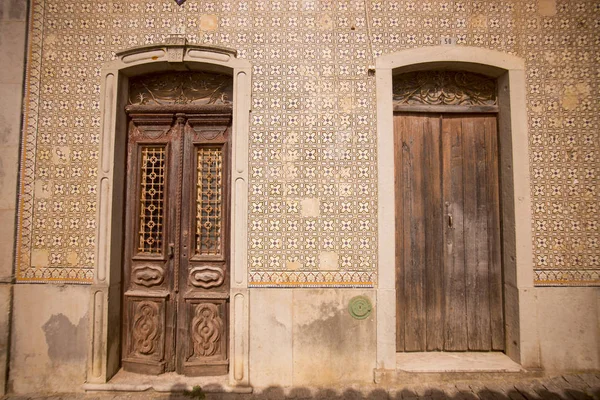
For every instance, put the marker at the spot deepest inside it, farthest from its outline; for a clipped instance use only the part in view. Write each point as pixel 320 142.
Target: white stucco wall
pixel 49 338
pixel 568 328
pixel 307 337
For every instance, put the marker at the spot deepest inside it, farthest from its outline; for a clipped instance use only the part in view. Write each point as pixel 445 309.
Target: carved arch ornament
pixel 174 55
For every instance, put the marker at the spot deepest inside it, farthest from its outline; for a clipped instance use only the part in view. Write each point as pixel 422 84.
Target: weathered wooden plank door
pixel 176 273
pixel 448 267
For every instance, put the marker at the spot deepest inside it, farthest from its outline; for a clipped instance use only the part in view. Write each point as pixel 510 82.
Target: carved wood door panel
pixel 448 268
pixel 176 272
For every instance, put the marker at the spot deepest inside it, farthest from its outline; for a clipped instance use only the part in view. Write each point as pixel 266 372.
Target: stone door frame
pixel 509 70
pixel 105 302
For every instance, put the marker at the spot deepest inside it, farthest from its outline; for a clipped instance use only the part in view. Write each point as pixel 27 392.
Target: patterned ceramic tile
pixel 313 181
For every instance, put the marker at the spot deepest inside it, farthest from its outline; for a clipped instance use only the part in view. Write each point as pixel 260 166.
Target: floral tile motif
pixel 313 177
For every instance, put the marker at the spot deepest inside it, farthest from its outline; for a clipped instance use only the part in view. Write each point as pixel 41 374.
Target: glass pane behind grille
pixel 152 190
pixel 209 201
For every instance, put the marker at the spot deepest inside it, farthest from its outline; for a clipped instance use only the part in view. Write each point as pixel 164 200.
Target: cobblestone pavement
pixel 571 387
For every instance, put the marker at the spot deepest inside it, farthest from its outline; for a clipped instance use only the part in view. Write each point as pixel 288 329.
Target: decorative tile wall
pixel 312 193
pixel 562 54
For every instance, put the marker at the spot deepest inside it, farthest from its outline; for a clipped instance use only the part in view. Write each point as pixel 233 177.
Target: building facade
pixel 295 192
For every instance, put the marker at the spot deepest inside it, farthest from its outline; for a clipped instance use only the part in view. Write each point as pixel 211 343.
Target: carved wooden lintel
pixel 457 88
pixel 181 88
pixel 203 122
pixel 444 109
pixel 196 111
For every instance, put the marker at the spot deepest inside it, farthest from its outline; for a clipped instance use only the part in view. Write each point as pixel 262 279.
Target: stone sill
pixel 169 382
pixel 456 362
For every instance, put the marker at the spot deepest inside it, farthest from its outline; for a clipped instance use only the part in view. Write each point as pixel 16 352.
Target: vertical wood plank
pixel 414 234
pixel 399 216
pixel 455 327
pixel 475 223
pixel 186 192
pixel 494 239
pixel 175 167
pixel 433 220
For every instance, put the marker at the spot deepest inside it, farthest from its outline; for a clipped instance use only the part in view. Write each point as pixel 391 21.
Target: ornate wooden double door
pixel 176 273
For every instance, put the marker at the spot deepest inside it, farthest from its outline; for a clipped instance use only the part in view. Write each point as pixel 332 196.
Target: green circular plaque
pixel 360 307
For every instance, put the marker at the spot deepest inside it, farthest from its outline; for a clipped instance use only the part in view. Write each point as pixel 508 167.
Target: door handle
pixel 449 220
pixel 171 250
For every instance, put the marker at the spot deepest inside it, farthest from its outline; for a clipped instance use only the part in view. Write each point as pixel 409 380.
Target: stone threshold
pixel 436 367
pixel 456 362
pixel 169 382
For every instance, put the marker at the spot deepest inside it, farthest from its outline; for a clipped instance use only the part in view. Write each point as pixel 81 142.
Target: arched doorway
pixel 176 266
pixel 106 316
pixel 514 186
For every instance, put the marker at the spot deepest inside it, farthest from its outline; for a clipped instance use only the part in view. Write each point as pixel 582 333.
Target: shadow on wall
pixel 527 391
